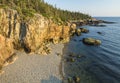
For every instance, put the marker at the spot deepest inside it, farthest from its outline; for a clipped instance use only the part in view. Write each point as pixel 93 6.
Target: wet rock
pixel 107 22
pixel 70 59
pixel 91 41
pixel 80 40
pixel 72 55
pixel 74 40
pixel 99 32
pixel 98 25
pixel 76 79
pixel 84 30
pixel 79 56
pixel 70 80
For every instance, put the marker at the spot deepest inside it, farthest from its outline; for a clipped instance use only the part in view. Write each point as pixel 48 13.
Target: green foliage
pixel 27 12
pixel 3 6
pixel 27 8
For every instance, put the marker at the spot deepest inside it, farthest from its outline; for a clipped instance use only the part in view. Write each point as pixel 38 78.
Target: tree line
pixel 27 8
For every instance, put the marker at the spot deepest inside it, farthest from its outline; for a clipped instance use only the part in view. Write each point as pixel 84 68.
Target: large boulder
pixel 91 41
pixel 72 29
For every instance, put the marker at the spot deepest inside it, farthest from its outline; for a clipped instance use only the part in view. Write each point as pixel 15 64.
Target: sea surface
pixel 102 62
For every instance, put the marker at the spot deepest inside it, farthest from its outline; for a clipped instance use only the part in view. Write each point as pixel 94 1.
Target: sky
pixel 91 7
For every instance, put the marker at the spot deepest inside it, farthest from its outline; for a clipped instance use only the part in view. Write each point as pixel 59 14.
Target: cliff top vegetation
pixel 27 8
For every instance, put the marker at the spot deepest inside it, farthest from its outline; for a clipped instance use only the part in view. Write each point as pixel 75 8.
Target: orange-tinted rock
pixel 32 34
pixel 6 49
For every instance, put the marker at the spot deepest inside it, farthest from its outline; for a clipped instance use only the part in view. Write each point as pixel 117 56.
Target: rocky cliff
pixel 32 35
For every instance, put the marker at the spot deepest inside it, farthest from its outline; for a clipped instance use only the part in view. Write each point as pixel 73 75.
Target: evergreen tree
pixel 26 8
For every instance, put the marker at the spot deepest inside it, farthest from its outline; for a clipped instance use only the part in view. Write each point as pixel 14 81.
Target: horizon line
pixel 105 16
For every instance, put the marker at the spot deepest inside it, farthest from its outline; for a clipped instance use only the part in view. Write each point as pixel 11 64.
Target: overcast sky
pixel 91 7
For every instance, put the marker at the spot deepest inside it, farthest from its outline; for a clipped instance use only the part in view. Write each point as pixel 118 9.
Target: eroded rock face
pixel 6 49
pixel 10 25
pixel 34 34
pixel 59 34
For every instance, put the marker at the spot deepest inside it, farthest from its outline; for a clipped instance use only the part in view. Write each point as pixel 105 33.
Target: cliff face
pixel 32 35
pixel 6 49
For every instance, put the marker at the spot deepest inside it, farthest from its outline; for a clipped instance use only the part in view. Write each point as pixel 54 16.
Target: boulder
pixel 91 41
pixel 70 80
pixel 78 32
pixel 72 29
pixel 84 30
pixel 98 25
pixel 99 32
pixel 73 26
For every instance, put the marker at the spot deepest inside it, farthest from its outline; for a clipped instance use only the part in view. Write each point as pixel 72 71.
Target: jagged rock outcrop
pixel 32 35
pixel 35 33
pixel 10 25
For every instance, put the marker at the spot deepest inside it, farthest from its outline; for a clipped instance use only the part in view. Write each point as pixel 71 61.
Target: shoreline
pixel 32 68
pixel 74 66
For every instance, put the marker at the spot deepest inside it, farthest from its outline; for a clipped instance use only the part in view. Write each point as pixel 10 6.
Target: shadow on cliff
pixel 52 79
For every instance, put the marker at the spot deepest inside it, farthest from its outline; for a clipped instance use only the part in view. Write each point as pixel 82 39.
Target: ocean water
pixel 101 62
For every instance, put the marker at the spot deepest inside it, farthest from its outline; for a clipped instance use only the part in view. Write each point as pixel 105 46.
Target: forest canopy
pixel 27 8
